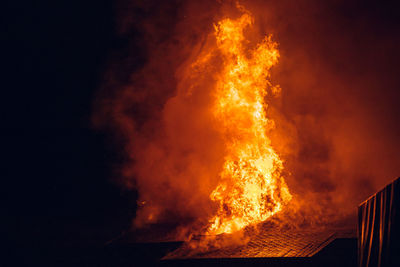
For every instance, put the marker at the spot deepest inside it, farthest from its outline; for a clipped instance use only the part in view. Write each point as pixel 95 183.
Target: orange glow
pixel 202 143
pixel 251 188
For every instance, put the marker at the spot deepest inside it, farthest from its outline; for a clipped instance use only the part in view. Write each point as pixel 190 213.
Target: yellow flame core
pixel 251 187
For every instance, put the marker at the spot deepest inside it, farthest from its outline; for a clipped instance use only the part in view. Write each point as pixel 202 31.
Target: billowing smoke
pixel 335 121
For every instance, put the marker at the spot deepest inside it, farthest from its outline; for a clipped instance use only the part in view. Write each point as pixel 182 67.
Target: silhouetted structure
pixel 379 228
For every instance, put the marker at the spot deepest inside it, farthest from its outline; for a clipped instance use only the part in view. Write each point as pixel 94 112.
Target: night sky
pixel 58 169
pixel 55 165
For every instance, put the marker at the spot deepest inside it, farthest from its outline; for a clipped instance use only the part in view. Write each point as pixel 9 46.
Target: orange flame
pixel 251 187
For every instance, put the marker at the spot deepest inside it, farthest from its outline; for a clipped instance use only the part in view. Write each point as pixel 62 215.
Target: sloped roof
pixel 269 243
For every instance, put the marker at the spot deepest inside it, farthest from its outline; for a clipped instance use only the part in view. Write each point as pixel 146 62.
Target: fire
pixel 251 188
pixel 201 158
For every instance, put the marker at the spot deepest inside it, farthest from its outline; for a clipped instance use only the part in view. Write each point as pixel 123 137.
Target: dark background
pixel 57 169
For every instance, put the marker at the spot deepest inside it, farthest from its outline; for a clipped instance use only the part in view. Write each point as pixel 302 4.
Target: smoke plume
pixel 335 121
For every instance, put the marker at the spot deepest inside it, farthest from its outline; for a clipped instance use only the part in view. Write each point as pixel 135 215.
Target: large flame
pixel 208 164
pixel 251 188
